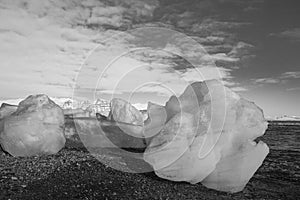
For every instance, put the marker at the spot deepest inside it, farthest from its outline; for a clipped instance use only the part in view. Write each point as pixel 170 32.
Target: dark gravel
pixel 75 174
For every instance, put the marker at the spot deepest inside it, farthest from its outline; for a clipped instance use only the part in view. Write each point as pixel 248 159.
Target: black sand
pixel 75 174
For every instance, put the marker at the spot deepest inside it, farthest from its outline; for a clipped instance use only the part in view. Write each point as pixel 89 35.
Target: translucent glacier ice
pixel 157 117
pixel 35 128
pixel 130 119
pixel 208 138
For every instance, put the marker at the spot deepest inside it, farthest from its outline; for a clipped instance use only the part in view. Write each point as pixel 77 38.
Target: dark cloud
pixel 213 24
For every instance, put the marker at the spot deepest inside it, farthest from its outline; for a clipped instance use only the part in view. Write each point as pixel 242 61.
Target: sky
pixel 148 50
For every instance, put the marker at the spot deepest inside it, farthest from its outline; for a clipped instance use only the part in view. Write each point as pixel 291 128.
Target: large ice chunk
pixel 37 127
pixel 209 138
pixel 241 156
pixel 129 119
pixel 157 117
pixel 6 110
pixel 173 153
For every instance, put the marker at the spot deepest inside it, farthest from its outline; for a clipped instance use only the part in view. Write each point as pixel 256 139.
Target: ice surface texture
pixel 208 138
pixel 131 119
pixel 35 128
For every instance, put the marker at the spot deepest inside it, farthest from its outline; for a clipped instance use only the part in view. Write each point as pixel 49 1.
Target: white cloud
pixel 151 70
pixel 289 75
pixel 267 80
pixel 129 73
pixel 216 27
pixel 212 39
pixel 43 43
pixel 206 73
pixel 291 34
pixel 293 89
pixel 238 89
pixel 221 57
pixel 109 15
pixel 34 51
pixel 241 49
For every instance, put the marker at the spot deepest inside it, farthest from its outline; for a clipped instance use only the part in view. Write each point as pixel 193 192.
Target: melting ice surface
pixel 208 137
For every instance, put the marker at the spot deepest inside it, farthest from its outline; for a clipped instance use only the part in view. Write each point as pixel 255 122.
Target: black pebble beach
pixel 74 173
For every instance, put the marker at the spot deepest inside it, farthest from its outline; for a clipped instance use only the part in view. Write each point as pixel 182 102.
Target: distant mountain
pixel 11 101
pixel 98 106
pixel 287 118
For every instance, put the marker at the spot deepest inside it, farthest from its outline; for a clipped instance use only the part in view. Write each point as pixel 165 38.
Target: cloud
pixel 291 34
pixel 290 75
pixel 128 74
pixel 206 73
pixel 43 43
pixel 238 89
pixel 111 16
pixel 241 49
pixel 281 79
pixel 213 27
pixel 152 70
pixel 145 71
pixel 293 89
pixel 267 80
pixel 36 52
pixel 220 40
pixel 222 57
